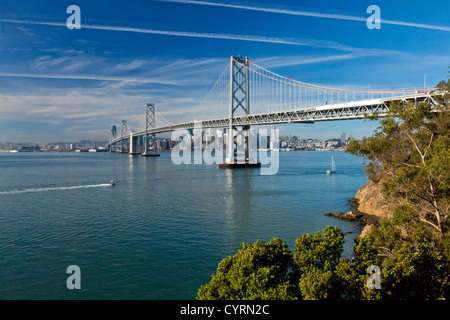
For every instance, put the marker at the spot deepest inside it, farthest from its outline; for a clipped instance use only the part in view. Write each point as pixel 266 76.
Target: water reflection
pixel 239 208
pixel 150 165
pixel 131 160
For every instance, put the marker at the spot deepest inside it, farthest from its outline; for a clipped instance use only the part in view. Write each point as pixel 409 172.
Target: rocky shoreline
pixel 356 216
pixel 369 207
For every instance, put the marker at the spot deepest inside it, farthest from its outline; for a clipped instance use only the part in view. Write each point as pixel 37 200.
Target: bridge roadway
pixel 342 111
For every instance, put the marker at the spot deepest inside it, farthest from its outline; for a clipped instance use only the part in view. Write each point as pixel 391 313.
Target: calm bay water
pixel 162 230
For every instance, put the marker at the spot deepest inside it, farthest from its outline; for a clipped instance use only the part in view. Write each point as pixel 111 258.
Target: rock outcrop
pixel 369 207
pixel 369 200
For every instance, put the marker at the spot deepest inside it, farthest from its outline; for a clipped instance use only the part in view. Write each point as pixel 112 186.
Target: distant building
pixel 172 144
pixel 164 144
pixel 30 149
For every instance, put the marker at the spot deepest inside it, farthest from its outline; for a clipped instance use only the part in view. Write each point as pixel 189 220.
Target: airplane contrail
pixel 225 36
pixel 281 10
pixel 85 77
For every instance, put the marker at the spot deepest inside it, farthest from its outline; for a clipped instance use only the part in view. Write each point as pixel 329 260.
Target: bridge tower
pixel 123 131
pixel 238 144
pixel 112 136
pixel 150 138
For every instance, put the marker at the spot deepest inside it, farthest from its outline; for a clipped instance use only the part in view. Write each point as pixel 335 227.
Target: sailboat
pixel 333 166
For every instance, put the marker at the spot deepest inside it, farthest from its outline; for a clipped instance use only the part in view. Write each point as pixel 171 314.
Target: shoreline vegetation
pixel 403 251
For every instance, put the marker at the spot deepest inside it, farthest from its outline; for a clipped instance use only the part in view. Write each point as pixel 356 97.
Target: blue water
pixel 162 230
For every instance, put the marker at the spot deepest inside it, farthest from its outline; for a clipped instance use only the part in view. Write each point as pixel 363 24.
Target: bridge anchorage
pixel 238 140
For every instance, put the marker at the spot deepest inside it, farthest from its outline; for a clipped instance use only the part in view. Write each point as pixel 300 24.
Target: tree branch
pixel 411 165
pixel 426 191
pixel 429 145
pixel 430 223
pixel 416 146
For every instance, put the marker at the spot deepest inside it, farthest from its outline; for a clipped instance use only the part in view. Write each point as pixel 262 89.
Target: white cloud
pixel 128 66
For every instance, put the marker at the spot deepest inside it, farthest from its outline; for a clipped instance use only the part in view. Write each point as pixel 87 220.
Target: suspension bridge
pixel 247 94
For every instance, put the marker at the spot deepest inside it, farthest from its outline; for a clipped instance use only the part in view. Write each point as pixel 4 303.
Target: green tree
pixel 410 154
pixel 417 270
pixel 321 251
pixel 413 259
pixel 315 260
pixel 323 273
pixel 258 271
pixel 270 271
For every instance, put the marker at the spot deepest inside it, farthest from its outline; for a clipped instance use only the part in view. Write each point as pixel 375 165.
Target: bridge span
pixel 248 95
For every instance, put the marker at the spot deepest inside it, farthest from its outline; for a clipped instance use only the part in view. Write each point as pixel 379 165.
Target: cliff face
pixel 369 205
pixel 370 200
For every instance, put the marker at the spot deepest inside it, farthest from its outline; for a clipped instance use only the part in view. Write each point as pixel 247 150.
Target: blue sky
pixel 58 84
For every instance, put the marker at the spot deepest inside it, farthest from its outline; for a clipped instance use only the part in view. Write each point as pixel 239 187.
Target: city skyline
pixel 59 84
pixel 282 137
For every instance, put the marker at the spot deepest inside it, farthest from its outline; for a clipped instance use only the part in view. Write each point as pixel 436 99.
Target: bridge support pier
pixel 225 165
pixel 150 138
pixel 150 155
pixel 134 143
pixel 238 144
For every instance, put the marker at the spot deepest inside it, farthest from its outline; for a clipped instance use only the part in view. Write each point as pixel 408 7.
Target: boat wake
pixel 103 185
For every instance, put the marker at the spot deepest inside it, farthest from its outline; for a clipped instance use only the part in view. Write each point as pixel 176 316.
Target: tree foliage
pixel 414 267
pixel 269 270
pixel 258 271
pixel 410 154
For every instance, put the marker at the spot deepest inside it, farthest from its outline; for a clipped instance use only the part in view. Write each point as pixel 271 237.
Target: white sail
pixel 333 166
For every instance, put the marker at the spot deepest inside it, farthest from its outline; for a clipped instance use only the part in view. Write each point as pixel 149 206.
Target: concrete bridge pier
pixel 134 144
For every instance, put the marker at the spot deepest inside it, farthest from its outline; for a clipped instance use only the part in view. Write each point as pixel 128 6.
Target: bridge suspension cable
pixel 160 118
pixel 215 103
pixel 269 92
pixel 246 94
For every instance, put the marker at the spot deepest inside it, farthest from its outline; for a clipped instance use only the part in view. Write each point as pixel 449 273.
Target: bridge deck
pixel 342 111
